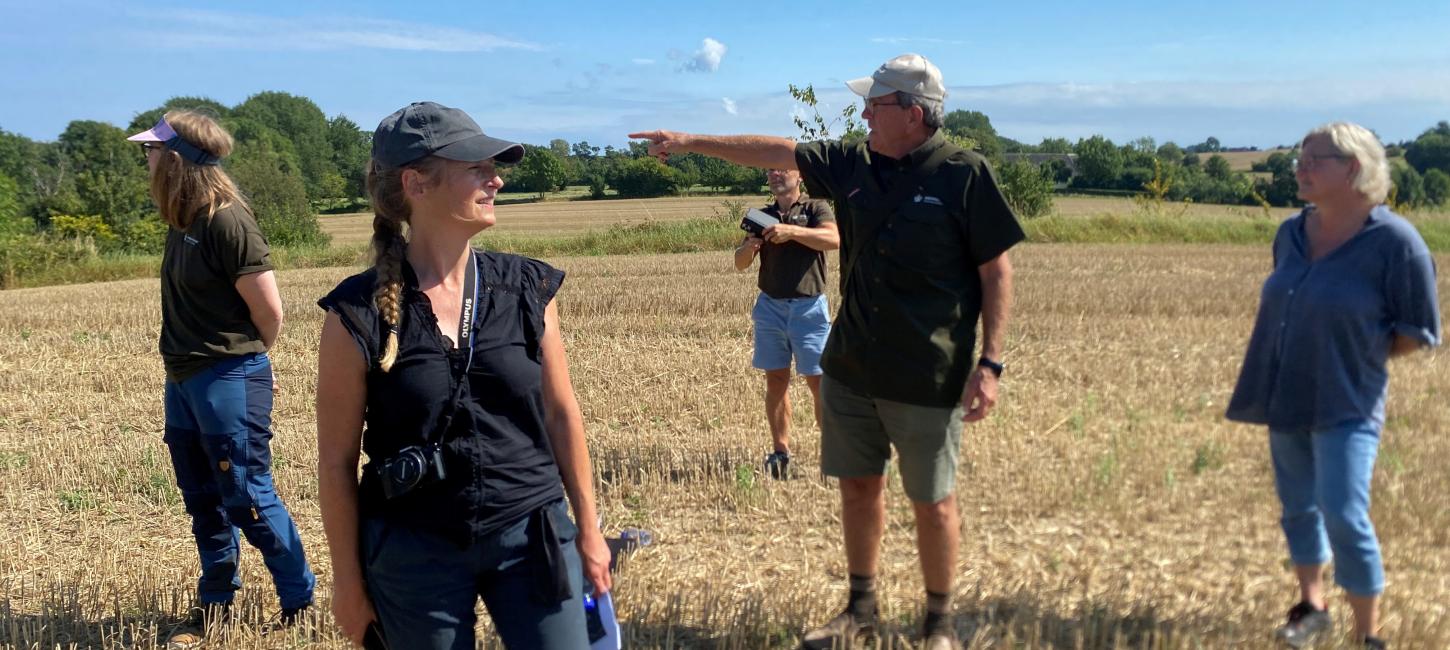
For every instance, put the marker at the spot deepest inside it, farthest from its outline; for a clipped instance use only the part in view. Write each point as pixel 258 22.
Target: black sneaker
pixel 292 615
pixel 843 631
pixel 777 465
pixel 200 620
pixel 1305 624
pixel 1374 643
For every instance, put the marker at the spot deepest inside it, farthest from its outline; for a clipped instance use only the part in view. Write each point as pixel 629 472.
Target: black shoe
pixel 1374 643
pixel 1304 625
pixel 291 615
pixel 777 465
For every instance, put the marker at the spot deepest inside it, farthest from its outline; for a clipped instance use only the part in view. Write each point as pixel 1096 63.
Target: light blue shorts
pixel 790 326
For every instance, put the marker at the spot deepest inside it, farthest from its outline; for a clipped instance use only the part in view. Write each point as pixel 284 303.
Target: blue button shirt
pixel 1317 356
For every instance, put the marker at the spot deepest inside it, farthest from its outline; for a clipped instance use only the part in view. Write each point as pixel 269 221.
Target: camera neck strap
pixel 468 312
pixel 468 308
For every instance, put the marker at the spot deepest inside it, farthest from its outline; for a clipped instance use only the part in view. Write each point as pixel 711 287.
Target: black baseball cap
pixel 430 129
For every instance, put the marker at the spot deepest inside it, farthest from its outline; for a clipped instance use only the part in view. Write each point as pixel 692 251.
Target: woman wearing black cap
pixel 220 314
pixel 445 364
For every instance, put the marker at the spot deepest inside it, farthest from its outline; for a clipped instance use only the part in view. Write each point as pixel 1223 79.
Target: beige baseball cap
pixel 908 73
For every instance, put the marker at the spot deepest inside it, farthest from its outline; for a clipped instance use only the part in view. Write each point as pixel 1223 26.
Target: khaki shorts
pixel 859 431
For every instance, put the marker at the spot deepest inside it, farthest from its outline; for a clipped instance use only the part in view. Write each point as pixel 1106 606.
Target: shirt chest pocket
pixel 925 237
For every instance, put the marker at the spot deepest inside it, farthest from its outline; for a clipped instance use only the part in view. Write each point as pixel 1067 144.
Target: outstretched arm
pixel 763 151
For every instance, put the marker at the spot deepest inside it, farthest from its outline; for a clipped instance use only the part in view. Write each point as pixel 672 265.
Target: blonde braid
pixel 388 249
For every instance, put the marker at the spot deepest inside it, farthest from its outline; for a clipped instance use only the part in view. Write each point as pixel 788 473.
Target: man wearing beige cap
pixel 924 238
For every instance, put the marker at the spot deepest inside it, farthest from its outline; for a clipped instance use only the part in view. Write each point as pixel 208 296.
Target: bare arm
pixel 264 302
pixel 745 253
pixel 341 399
pixel 565 425
pixel 825 237
pixel 981 391
pixel 763 151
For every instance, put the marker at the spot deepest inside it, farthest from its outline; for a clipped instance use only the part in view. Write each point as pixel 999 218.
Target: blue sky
pixel 1249 73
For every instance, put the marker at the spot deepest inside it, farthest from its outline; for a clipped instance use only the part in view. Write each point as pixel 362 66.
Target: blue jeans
pixel 786 326
pixel 1323 480
pixel 424 586
pixel 219 431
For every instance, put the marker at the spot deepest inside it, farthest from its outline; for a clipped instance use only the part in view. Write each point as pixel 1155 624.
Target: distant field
pixel 565 217
pixel 1243 160
pixel 557 217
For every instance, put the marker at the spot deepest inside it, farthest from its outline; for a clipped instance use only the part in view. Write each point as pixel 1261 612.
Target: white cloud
pixel 729 105
pixel 707 58
pixel 642 61
pixel 187 29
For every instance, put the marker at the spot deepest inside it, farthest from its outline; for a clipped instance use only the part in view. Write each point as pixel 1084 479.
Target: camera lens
pixel 407 469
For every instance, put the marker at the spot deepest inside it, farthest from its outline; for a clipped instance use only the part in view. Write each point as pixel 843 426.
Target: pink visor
pixel 159 133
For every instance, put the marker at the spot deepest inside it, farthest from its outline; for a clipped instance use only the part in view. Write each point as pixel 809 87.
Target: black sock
pixel 938 613
pixel 863 597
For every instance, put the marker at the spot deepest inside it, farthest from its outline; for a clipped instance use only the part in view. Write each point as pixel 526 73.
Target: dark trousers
pixel 424 586
pixel 219 431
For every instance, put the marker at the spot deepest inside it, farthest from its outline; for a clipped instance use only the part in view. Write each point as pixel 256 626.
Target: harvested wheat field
pixel 1106 503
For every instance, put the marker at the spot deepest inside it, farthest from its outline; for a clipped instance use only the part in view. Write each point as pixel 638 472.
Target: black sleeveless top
pixel 498 459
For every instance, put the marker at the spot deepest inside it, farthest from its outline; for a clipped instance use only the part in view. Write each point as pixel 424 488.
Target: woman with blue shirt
pixel 445 365
pixel 1353 284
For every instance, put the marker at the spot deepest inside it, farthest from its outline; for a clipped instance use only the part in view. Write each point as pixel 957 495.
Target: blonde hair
pixel 391 213
pixel 181 188
pixel 1349 139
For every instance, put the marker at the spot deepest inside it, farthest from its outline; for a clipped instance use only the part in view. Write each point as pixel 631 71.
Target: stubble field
pixel 1105 503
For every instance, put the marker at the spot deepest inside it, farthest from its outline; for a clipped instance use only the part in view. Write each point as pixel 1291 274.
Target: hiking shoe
pixel 1374 643
pixel 777 465
pixel 1304 625
pixel 841 632
pixel 199 620
pixel 292 615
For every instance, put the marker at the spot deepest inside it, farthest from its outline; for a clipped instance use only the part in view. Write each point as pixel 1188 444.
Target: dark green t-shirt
pixel 792 269
pixel 910 290
pixel 203 317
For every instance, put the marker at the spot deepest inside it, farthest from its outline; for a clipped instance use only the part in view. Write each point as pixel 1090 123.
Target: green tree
pixel 277 195
pixel 1430 151
pixel 300 121
pixel 12 216
pixel 1055 145
pixel 540 171
pixel 1028 188
pixel 814 126
pixel 1170 153
pixel 976 126
pixel 1437 187
pixel 351 149
pixel 1099 162
pixel 110 174
pixel 204 105
pixel 643 177
pixel 1218 167
pixel 1409 186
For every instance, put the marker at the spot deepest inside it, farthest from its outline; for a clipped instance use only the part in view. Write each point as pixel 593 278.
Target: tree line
pixel 292 161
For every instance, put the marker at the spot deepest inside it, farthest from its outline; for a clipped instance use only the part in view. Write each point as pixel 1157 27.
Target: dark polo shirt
pixel 911 293
pixel 792 269
pixel 203 318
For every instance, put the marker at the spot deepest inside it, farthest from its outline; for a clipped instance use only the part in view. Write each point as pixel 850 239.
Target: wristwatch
pixel 989 364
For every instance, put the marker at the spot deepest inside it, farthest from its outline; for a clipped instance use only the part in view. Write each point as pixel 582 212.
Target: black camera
pixel 411 468
pixel 755 222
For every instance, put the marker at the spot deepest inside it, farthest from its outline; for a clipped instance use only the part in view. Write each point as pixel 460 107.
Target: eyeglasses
pixel 1312 161
pixel 872 106
pixel 147 147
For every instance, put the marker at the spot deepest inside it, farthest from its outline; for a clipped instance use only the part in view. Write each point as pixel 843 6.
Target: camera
pixel 755 222
pixel 411 468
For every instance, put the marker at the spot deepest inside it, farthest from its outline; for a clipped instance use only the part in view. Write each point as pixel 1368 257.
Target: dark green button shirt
pixel 911 293
pixel 792 269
